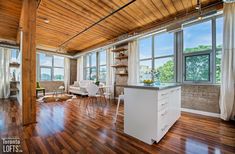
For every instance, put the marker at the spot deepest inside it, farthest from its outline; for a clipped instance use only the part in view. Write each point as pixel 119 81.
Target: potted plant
pixel 97 82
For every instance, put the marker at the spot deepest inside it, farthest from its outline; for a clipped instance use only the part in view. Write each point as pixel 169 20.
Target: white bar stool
pixel 120 97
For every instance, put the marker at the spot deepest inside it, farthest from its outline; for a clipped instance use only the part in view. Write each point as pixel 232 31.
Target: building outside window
pixel 51 68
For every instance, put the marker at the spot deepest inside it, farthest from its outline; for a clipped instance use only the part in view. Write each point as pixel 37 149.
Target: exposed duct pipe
pixel 86 29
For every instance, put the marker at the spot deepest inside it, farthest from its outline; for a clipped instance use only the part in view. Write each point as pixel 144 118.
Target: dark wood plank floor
pixel 65 127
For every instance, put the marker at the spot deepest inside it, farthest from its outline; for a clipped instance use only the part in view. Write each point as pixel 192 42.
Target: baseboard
pixel 211 114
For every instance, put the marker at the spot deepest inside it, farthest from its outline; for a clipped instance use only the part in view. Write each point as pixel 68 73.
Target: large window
pixel 95 66
pixel 202 46
pixel 197 48
pixel 51 68
pixel 157 58
pixel 197 51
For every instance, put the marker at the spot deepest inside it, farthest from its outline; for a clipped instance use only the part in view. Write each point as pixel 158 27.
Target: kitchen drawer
pixel 162 104
pixel 162 130
pixel 163 114
pixel 163 94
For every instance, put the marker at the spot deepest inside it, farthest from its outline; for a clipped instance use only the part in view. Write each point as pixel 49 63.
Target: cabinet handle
pixel 163 94
pixel 163 104
pixel 164 113
pixel 163 129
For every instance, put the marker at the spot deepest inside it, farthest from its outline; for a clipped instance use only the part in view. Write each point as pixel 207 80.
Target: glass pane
pixel 58 74
pixel 45 74
pixel 219 45
pixel 45 60
pixel 164 69
pixel 163 44
pixel 145 70
pixel 58 61
pixel 218 66
pixel 219 32
pixel 102 73
pixel 93 73
pixel 198 37
pixel 145 47
pixel 14 55
pixel 93 59
pixel 102 58
pixel 197 68
pixel 87 73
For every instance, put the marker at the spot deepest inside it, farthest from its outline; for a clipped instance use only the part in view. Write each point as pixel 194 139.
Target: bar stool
pixel 120 97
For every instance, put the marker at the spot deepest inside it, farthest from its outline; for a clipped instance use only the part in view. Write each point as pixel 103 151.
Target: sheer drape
pixel 228 63
pixel 66 73
pixel 80 68
pixel 110 78
pixel 4 73
pixel 133 57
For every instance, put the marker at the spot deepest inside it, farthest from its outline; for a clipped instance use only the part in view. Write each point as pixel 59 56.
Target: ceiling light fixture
pixel 46 21
pixel 199 8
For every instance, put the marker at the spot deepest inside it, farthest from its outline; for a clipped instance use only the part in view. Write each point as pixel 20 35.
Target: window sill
pixel 201 84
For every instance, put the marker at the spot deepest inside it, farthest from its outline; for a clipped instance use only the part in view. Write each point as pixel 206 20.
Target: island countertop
pixel 152 87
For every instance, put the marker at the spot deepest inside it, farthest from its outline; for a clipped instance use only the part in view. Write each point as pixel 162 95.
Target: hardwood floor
pixel 65 127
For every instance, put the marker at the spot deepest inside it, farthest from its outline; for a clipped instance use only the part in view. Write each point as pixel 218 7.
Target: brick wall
pixel 201 97
pixel 50 86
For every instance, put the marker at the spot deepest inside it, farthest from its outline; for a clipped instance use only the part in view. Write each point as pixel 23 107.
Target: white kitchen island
pixel 150 111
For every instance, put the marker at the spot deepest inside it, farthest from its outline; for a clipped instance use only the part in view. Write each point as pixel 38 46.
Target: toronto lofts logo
pixel 10 145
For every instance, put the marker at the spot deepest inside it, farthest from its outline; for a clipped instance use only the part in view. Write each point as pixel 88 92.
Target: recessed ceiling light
pixel 46 21
pixel 199 18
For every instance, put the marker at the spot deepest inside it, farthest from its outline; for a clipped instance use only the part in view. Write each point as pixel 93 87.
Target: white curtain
pixel 133 57
pixel 80 68
pixel 4 73
pixel 66 74
pixel 110 78
pixel 227 104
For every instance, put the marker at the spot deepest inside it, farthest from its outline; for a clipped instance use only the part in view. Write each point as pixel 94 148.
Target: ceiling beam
pixel 94 24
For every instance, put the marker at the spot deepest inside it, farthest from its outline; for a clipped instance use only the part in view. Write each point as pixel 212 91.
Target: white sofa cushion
pixel 76 84
pixel 79 87
pixel 85 83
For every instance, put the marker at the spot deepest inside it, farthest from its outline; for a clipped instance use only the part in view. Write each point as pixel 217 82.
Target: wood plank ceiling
pixel 10 11
pixel 69 17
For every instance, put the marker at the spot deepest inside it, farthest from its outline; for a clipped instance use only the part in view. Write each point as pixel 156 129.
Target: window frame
pixel 153 57
pixel 212 52
pixel 98 65
pixel 52 67
pixel 193 55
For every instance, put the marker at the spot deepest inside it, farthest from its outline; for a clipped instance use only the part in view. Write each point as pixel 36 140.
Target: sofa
pixel 79 87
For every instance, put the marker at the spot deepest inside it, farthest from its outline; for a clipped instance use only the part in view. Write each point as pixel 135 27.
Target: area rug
pixel 51 98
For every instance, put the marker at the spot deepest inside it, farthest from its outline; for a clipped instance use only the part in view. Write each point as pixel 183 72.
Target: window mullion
pixel 52 69
pixel 213 54
pixel 153 63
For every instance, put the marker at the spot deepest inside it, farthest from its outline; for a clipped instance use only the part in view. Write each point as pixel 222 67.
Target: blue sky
pixel 194 35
